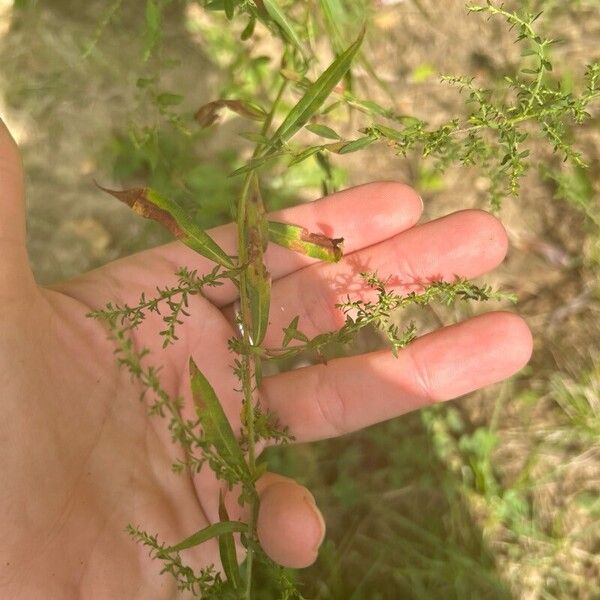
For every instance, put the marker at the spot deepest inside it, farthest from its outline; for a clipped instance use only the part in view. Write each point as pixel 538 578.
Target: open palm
pixel 81 458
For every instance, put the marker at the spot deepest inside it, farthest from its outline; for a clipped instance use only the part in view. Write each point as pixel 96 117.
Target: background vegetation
pixel 495 496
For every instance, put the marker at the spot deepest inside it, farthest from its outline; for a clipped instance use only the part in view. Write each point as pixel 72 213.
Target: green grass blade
pixel 216 427
pixel 212 531
pixel 301 240
pixel 316 94
pixel 227 550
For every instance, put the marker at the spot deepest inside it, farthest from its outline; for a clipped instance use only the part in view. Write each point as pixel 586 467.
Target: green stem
pixel 246 371
pixel 249 418
pixel 269 120
pixel 249 360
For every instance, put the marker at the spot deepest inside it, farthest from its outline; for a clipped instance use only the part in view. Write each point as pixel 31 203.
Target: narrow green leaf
pixel 249 29
pixel 355 145
pixel 257 278
pixel 316 94
pixel 307 153
pixel 149 204
pixel 299 239
pixel 227 550
pixel 215 425
pixel 253 164
pixel 152 32
pixel 212 531
pixel 278 17
pixel 390 133
pixel 253 136
pixel 215 5
pixel 368 106
pixel 323 131
pixel 144 82
pixel 291 333
pixel 335 16
pixel 167 99
pixel 258 375
pixel 229 8
pixel 261 468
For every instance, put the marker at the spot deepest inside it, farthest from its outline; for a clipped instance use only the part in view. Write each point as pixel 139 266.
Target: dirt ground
pixel 64 108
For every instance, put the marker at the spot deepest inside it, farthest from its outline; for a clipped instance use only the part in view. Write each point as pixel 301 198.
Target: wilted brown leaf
pixel 303 241
pixel 209 113
pixel 149 204
pixel 137 200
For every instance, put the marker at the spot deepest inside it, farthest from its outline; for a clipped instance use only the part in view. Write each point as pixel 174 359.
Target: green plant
pixel 492 138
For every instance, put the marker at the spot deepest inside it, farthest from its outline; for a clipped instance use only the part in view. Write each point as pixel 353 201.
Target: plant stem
pixel 269 120
pixel 248 361
pixel 246 372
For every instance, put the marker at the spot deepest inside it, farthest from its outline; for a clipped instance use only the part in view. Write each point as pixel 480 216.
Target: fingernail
pixel 310 502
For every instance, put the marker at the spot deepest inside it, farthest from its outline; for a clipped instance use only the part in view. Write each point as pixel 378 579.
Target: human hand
pixel 80 456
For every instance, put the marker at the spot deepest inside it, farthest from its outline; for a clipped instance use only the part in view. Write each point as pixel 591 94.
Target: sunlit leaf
pixel 390 133
pixel 215 425
pixel 253 136
pixel 257 162
pixel 355 145
pixel 422 72
pixel 369 107
pixel 212 531
pixel 227 550
pixel 299 239
pixel 291 332
pixel 323 131
pixel 307 153
pixel 316 94
pixel 149 204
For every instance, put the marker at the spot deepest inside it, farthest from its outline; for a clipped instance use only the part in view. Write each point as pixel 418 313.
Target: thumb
pixel 14 264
